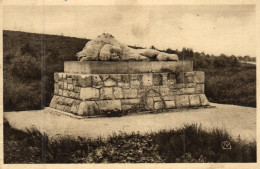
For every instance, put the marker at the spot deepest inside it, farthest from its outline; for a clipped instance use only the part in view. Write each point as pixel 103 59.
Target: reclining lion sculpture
pixel 106 48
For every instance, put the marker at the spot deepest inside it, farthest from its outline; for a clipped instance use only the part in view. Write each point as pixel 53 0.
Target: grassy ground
pixel 187 144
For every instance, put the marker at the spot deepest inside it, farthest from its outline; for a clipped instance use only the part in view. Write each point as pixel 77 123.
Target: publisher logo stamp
pixel 226 145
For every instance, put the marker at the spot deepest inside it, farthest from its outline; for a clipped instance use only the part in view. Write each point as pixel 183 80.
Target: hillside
pixel 31 59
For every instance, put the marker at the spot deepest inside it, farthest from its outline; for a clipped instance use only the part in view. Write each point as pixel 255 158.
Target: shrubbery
pixel 26 67
pixel 20 96
pixel 232 85
pixel 188 144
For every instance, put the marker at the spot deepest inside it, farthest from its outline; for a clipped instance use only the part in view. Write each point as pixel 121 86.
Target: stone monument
pixel 112 77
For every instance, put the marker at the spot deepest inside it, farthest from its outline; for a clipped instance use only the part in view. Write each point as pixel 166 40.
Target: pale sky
pixel 214 29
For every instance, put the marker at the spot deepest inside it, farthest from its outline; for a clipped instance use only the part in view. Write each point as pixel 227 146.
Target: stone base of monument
pixel 96 89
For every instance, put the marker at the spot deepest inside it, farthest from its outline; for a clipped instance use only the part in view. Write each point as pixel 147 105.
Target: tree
pixel 233 61
pixel 246 58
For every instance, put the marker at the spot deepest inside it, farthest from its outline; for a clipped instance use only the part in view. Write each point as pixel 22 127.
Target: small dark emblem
pixel 226 145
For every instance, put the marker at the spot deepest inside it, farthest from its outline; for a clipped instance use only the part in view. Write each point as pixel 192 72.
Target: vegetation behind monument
pixel 30 61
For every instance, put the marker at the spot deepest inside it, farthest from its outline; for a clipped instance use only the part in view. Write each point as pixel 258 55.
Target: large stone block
pixel 97 81
pixel 60 76
pixel 165 91
pixel 76 89
pixel 68 101
pixel 172 78
pixel 199 77
pixel 65 93
pixel 61 84
pixel 147 79
pixel 104 77
pixel 149 103
pixel 180 77
pixel 59 107
pixel 188 79
pixel 116 77
pixel 125 78
pixel 56 89
pixel 69 80
pixel 54 102
pixel 60 100
pixel 64 76
pixel 70 87
pixel 130 93
pixel 65 85
pixel 123 85
pixel 165 79
pixel 74 82
pixel 190 85
pixel 127 107
pixel 118 93
pixel 182 101
pixel 187 91
pixel 179 85
pixel 109 83
pixel 76 95
pixel 170 104
pixel 56 77
pixel 75 106
pixel 89 93
pixel 187 74
pixel 109 105
pixel 203 99
pixel 67 109
pixel 106 93
pixel 194 100
pixel 199 89
pixel 173 92
pixel 135 81
pixel 88 108
pixel 158 99
pixel 135 84
pixel 130 101
pixel 157 79
pixel 84 80
pixel 53 105
pixel 135 77
pixel 169 98
pixel 159 105
pixel 60 92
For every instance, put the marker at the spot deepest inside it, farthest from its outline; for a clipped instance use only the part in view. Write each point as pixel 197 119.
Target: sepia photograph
pixel 87 84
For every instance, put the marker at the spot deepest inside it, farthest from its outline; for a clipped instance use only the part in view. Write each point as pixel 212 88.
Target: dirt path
pixel 237 120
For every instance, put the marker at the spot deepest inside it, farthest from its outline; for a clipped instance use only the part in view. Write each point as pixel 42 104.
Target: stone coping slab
pixel 121 67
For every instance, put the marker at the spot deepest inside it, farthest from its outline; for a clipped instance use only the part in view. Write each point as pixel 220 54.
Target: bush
pixel 20 96
pixel 25 66
pixel 188 144
pixel 231 85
